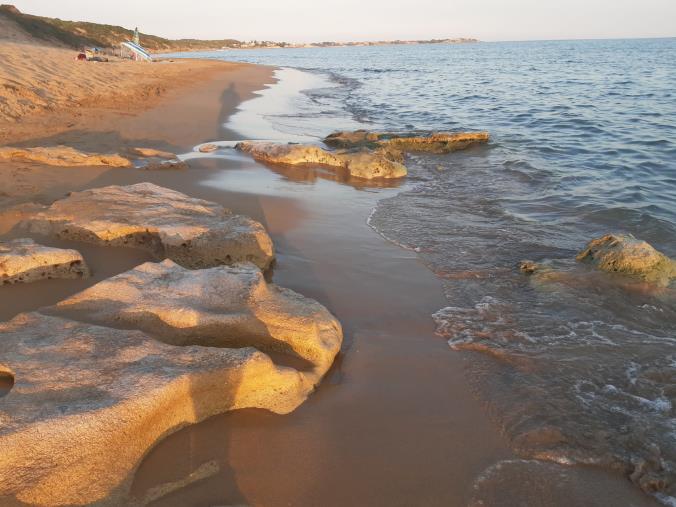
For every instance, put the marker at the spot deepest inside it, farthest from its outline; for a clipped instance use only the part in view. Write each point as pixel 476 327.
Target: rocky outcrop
pixel 89 400
pixel 623 253
pixel 169 224
pixel 24 261
pixel 362 164
pixel 226 306
pixel 443 142
pixel 64 156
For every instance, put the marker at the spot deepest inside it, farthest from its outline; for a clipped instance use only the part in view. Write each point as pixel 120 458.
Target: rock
pixel 163 165
pixel 63 156
pixel 225 306
pixel 623 253
pixel 360 164
pixel 23 260
pixel 208 148
pixel 89 400
pixel 443 142
pixel 528 267
pixel 192 232
pixel 153 153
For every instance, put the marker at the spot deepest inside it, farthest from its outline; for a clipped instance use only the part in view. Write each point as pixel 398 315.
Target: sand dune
pixel 36 79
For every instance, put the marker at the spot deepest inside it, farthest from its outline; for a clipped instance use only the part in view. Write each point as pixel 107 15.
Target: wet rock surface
pixel 623 253
pixel 101 377
pixel 193 232
pixel 24 261
pixel 363 164
pixel 433 142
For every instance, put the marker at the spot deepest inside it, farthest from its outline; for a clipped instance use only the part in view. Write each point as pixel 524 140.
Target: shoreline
pixel 360 438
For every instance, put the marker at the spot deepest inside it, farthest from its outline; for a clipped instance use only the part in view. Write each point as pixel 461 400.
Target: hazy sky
pixel 316 20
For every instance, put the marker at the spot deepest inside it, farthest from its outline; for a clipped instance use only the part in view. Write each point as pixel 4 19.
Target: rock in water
pixel 63 156
pixel 623 253
pixel 89 400
pixel 359 164
pixel 192 232
pixel 434 142
pixel 24 261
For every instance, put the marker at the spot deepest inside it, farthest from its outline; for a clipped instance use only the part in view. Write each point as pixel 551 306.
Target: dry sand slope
pixel 35 79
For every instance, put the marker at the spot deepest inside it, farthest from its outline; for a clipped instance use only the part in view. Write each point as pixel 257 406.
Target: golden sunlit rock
pixel 193 232
pixel 89 399
pixel 23 261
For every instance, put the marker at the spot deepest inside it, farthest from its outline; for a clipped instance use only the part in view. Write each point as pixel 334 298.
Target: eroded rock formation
pixel 192 232
pixel 90 399
pixel 226 306
pixel 64 156
pixel 434 142
pixel 24 261
pixel 623 253
pixel 363 164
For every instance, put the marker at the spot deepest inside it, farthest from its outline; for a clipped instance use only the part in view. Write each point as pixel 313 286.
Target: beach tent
pixel 137 51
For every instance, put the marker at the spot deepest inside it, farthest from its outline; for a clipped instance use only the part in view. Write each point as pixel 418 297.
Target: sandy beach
pixel 394 422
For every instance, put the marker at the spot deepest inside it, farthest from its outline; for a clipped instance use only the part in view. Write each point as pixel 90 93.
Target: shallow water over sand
pixel 577 366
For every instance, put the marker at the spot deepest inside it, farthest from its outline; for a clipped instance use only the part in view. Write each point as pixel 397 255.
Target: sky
pixel 367 20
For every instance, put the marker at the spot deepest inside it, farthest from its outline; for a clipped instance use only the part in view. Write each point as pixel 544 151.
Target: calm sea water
pixel 577 366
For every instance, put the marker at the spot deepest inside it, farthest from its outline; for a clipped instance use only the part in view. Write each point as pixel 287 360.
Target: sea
pixel 576 366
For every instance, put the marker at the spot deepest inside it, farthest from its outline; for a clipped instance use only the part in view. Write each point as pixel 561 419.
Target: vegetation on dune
pixel 77 34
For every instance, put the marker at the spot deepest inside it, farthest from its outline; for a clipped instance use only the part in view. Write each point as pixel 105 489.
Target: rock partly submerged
pixel 64 156
pixel 623 253
pixel 193 232
pixel 24 261
pixel 89 400
pixel 433 142
pixel 362 164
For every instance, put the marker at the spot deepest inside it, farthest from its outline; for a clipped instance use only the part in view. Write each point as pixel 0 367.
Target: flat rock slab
pixel 623 253
pixel 225 306
pixel 364 164
pixel 90 399
pixel 88 402
pixel 169 224
pixel 434 142
pixel 24 261
pixel 64 156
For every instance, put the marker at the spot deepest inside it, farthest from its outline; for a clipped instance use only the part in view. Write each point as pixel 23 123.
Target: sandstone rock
pixel 623 253
pixel 208 148
pixel 63 156
pixel 192 232
pixel 163 165
pixel 225 306
pixel 23 260
pixel 443 142
pixel 88 402
pixel 153 153
pixel 360 164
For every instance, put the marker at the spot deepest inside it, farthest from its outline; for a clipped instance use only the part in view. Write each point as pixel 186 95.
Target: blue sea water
pixel 577 366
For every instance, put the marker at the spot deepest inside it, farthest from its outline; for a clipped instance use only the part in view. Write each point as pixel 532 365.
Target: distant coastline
pixel 78 34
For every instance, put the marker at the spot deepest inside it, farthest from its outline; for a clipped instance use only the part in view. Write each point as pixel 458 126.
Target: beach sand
pixel 394 422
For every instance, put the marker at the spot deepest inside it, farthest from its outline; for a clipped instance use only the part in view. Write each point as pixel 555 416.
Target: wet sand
pixel 394 422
